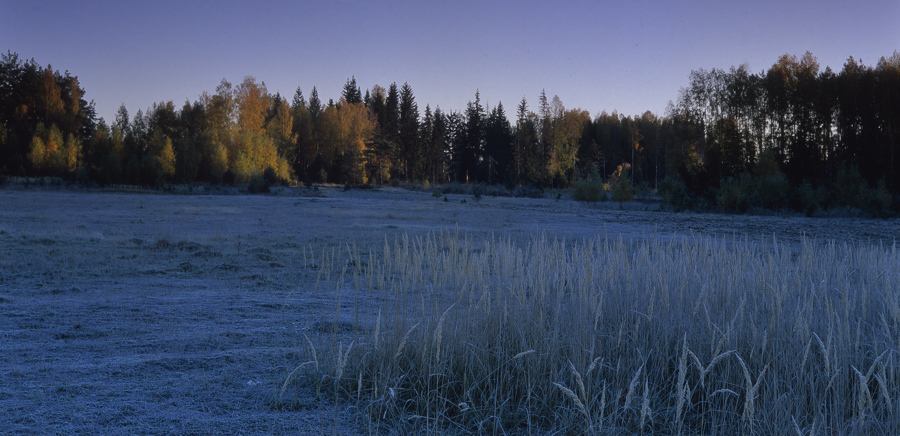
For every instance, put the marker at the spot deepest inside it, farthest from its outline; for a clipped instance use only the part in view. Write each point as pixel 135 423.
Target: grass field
pixel 393 312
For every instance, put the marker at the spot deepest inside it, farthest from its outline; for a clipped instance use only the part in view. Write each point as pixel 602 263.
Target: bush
pixel 772 189
pixel 673 192
pixel 477 191
pixel 737 195
pixel 436 193
pixel 258 185
pixel 811 199
pixel 876 201
pixel 620 184
pixel 151 173
pixel 271 177
pixel 455 188
pixel 528 191
pixel 590 190
pixel 228 177
pixel 847 185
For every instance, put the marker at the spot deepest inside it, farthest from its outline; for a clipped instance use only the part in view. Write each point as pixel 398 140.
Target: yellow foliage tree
pixel 166 159
pixel 253 101
pixel 567 126
pixel 258 152
pixel 71 153
pixel 344 131
pixel 37 153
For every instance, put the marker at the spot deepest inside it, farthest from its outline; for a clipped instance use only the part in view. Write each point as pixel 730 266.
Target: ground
pixel 158 313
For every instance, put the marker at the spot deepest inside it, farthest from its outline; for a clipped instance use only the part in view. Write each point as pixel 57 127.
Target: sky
pixel 627 56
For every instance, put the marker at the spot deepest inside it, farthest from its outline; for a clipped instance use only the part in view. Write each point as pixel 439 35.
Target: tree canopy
pixel 793 126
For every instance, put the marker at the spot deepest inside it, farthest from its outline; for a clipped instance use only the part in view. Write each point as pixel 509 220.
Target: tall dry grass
pixel 677 336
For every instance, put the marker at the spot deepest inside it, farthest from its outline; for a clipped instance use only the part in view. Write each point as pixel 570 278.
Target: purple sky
pixel 629 56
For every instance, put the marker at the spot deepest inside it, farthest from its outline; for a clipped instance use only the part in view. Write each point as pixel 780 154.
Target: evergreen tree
pixel 390 122
pixel 298 99
pixel 426 141
pixel 498 145
pixel 410 150
pixel 473 146
pixel 315 105
pixel 440 146
pixel 351 92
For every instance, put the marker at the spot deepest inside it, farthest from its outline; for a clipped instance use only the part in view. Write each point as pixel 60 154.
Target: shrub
pixel 436 193
pixel 736 195
pixel 772 189
pixel 477 191
pixel 151 173
pixel 883 196
pixel 876 201
pixel 673 192
pixel 455 188
pixel 811 199
pixel 528 191
pixel 620 184
pixel 590 190
pixel 847 186
pixel 271 177
pixel 258 185
pixel 228 177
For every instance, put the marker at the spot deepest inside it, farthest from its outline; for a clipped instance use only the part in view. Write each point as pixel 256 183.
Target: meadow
pixel 394 312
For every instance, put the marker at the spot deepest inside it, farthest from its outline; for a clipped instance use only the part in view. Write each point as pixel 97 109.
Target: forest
pixel 794 136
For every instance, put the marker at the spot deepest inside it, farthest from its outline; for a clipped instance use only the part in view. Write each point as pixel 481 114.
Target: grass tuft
pixel 610 336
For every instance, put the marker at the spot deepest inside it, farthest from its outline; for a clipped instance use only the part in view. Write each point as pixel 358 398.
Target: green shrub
pixel 228 177
pixel 876 201
pixel 455 188
pixel 772 189
pixel 590 190
pixel 258 185
pixel 620 184
pixel 812 199
pixel 436 193
pixel 151 173
pixel 477 191
pixel 271 177
pixel 848 185
pixel 673 192
pixel 883 196
pixel 735 195
pixel 528 191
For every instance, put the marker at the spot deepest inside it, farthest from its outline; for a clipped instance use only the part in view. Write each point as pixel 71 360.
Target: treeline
pixel 793 136
pixel 790 136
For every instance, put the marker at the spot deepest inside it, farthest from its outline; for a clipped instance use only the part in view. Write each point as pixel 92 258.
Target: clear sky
pixel 629 56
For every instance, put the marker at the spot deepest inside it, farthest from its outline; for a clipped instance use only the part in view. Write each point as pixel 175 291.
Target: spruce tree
pixel 351 92
pixel 315 105
pixel 409 133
